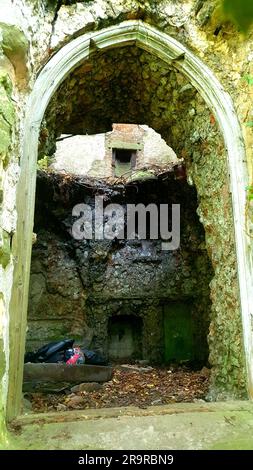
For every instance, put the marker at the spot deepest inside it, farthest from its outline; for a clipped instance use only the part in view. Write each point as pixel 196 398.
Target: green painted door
pixel 178 332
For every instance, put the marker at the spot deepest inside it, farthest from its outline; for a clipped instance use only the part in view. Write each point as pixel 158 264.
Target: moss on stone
pixel 123 85
pixel 44 163
pixel 4 138
pixel 6 122
pixel 6 107
pixel 5 250
pixel 2 372
pixel 5 82
pixel 7 115
pixel 3 431
pixel 130 85
pixel 14 44
pixel 136 86
pixel 208 169
pixel 141 176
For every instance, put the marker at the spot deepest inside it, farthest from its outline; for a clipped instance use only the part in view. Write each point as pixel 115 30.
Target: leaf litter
pixel 130 387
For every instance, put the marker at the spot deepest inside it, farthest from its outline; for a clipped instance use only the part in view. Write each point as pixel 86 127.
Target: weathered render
pixel 92 154
pixel 31 33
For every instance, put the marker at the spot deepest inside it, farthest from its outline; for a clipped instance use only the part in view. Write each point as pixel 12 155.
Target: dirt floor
pixel 130 386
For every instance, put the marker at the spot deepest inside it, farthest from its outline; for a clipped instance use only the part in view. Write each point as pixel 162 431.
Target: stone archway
pixel 56 70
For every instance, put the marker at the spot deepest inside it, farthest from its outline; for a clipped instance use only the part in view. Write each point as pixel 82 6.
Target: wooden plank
pixel 66 373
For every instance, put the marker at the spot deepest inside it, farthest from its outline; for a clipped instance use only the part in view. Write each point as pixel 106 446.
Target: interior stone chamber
pixel 127 85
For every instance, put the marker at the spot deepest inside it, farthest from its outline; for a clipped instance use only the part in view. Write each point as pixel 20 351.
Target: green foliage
pixel 5 251
pixel 240 11
pixel 248 79
pixel 7 116
pixel 142 175
pixel 249 190
pixel 44 163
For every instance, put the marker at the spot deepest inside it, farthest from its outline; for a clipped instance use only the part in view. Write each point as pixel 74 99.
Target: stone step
pixel 77 373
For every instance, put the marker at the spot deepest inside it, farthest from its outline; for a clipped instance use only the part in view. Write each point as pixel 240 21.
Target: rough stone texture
pixel 46 26
pixel 15 47
pixel 144 89
pixel 124 85
pixel 79 283
pixel 7 223
pixel 61 311
pixel 207 168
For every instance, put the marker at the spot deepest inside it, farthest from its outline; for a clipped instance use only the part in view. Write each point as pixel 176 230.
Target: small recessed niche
pixel 125 338
pixel 124 160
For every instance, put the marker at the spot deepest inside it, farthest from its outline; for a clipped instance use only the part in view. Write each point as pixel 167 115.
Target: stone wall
pixel 131 84
pixel 77 286
pixel 34 30
pixel 8 178
pixel 123 85
pixel 92 155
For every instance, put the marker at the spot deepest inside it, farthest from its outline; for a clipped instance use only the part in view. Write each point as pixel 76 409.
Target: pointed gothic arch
pixel 51 76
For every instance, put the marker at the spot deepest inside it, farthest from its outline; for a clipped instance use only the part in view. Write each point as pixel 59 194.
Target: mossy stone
pixel 5 251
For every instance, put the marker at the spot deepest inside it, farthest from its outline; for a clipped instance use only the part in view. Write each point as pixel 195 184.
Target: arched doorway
pixel 61 64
